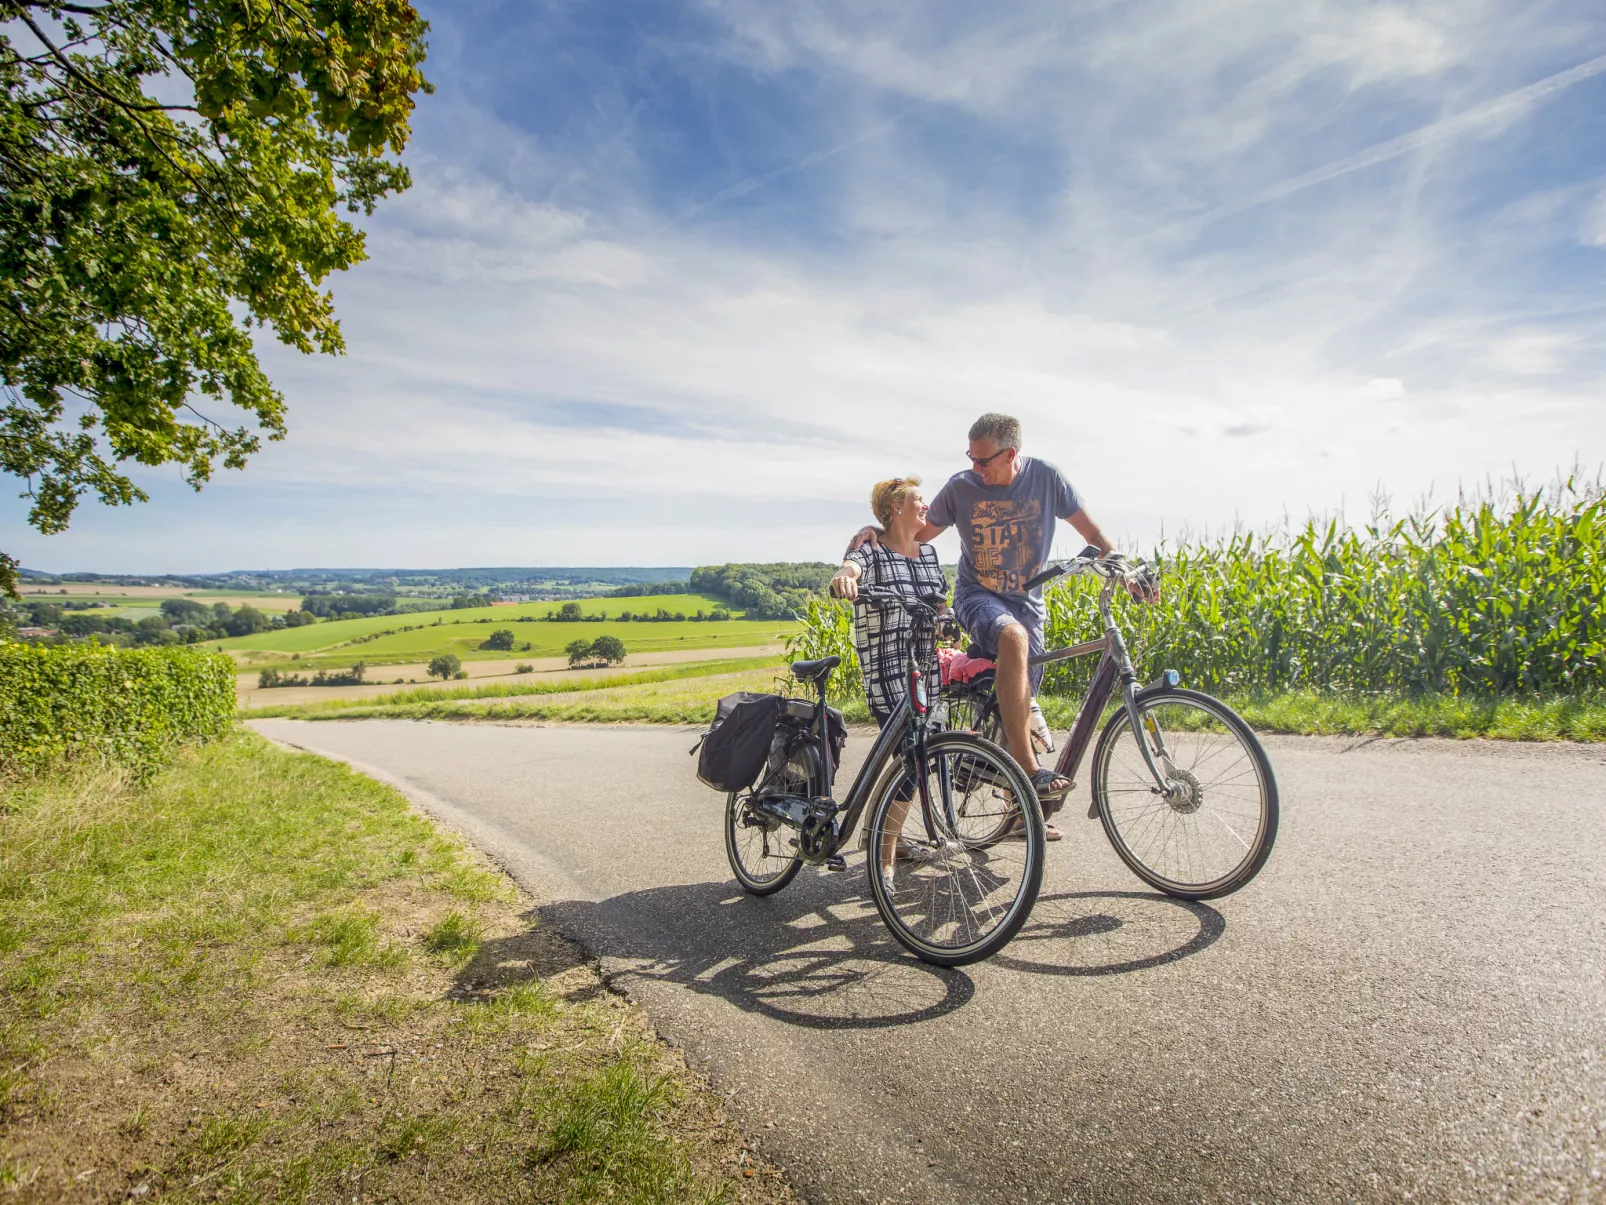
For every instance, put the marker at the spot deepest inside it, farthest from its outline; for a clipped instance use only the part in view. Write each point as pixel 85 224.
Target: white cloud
pixel 1593 231
pixel 559 373
pixel 1530 354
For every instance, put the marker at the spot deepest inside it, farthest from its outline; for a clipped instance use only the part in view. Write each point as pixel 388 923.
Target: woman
pixel 898 564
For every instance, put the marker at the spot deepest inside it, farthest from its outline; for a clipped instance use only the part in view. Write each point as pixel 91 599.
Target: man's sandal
pixel 1043 780
pixel 1017 829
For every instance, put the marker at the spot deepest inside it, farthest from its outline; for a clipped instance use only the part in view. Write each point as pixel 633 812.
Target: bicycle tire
pixel 924 915
pixel 755 883
pixel 1170 823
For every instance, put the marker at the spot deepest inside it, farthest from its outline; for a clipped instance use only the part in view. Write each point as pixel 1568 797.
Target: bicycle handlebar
pixel 884 598
pixel 1113 565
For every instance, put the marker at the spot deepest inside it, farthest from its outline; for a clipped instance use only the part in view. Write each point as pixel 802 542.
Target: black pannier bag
pixel 738 741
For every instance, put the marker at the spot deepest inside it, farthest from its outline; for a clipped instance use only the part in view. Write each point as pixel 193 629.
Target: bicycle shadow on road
pixel 1085 933
pixel 816 954
pixel 812 955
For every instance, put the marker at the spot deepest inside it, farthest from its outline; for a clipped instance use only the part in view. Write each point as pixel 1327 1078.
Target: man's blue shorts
pixel 984 615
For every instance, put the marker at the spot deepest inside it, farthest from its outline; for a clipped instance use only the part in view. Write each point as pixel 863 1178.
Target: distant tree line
pixel 647 589
pixel 573 612
pixel 270 677
pixel 763 591
pixel 772 591
pixel 181 621
pixel 339 604
pixel 347 606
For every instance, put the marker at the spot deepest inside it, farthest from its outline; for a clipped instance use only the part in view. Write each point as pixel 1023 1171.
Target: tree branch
pixel 78 9
pixel 67 65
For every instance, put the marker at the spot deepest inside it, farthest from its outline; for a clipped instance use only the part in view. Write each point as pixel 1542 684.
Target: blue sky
pixel 677 283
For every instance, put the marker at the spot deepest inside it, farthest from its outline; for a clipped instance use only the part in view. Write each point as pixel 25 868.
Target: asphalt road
pixel 1409 1003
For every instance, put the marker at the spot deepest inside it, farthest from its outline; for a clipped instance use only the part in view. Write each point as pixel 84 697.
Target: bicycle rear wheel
pixel 1213 831
pixel 986 818
pixel 954 900
pixel 762 853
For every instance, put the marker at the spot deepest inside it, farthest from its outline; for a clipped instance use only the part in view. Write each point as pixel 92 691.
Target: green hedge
pixel 127 707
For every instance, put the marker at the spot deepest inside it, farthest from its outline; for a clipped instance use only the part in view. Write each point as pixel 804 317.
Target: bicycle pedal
pixel 836 862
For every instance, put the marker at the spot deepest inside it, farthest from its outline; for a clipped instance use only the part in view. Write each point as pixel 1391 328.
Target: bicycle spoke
pixel 1206 824
pixel 968 886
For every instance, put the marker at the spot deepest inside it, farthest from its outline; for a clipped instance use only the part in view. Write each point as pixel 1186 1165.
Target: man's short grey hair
pixel 1003 430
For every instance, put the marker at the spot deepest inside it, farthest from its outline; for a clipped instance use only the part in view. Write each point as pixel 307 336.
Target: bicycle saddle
pixel 813 671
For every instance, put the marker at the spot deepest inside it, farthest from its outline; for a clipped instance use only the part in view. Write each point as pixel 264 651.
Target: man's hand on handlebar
pixel 1144 585
pixel 1142 581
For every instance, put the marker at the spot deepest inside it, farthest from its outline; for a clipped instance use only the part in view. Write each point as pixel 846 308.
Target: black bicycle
pixel 946 897
pixel 1181 783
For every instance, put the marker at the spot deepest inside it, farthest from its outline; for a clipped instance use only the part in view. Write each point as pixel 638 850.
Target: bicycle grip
pixel 1041 577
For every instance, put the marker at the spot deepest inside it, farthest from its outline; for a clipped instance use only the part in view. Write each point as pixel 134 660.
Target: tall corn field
pixel 1486 597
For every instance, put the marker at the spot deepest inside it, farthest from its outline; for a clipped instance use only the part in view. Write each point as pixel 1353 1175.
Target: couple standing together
pixel 1006 507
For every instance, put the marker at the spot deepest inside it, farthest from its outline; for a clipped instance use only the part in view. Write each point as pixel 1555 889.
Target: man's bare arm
pixel 1090 531
pixel 872 535
pixel 1148 591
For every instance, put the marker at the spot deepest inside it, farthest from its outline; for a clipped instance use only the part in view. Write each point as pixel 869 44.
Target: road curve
pixel 1408 1004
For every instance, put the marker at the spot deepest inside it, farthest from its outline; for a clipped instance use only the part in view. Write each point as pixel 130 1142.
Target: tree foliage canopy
pixel 170 177
pixel 770 591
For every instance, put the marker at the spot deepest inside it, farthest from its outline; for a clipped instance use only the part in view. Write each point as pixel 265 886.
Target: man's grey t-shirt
pixel 1005 531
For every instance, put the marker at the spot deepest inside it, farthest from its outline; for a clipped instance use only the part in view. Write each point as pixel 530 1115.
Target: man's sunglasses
pixel 981 462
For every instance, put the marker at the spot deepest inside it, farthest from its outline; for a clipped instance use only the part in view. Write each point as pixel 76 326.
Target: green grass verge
pixel 1538 719
pixel 1314 713
pixel 263 977
pixel 426 695
pixel 688 695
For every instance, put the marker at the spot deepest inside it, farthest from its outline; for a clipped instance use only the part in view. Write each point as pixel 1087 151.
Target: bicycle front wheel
pixel 945 897
pixel 1210 828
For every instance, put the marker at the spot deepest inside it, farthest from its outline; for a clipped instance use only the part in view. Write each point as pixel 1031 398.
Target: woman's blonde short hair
pixel 889 494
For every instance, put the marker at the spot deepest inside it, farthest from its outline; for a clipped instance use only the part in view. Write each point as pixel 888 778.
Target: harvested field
pixel 547 669
pixel 150 596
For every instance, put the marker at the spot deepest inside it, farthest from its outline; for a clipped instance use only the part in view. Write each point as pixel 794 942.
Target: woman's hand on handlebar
pixel 846 582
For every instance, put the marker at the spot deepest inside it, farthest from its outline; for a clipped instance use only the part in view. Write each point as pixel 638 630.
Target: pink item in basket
pixel 960 667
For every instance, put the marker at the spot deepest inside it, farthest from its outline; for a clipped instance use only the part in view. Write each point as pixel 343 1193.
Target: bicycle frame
pixel 903 734
pixel 1114 664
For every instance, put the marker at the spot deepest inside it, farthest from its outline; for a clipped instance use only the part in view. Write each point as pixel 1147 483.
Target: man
pixel 1005 507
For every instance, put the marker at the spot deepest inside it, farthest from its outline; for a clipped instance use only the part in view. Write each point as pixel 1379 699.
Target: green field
pixel 396 639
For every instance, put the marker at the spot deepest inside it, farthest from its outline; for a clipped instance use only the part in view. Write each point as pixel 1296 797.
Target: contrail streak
pixel 1439 131
pixel 752 183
